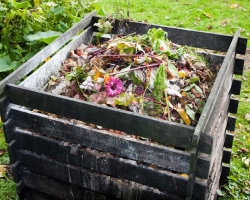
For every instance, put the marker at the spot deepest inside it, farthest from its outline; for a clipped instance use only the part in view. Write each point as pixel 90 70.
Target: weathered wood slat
pixel 31 194
pixel 222 80
pixel 92 181
pixel 99 162
pixel 123 146
pixel 125 121
pixel 181 36
pixel 218 88
pixel 27 67
pixel 55 188
pixel 40 77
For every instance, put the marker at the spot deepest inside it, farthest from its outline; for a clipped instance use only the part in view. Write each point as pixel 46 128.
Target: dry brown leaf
pixel 234 5
pixel 2 151
pixel 243 150
pixel 209 27
pixel 2 170
pixel 247 116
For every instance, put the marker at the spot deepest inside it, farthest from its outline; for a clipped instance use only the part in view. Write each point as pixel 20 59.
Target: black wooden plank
pixel 8 129
pixel 236 86
pixel 239 66
pixel 233 105
pixel 102 140
pixel 224 174
pixel 215 59
pixel 102 162
pixel 181 36
pixel 231 123
pixel 13 151
pixel 226 156
pixel 17 171
pixel 57 188
pixel 4 108
pixel 229 140
pixel 157 129
pixel 31 194
pixel 19 186
pixel 93 181
pixel 27 67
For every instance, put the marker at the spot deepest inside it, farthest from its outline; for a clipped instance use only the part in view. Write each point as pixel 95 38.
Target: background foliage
pixel 27 26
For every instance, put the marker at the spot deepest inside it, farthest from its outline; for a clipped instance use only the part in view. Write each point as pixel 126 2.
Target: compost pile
pixel 145 74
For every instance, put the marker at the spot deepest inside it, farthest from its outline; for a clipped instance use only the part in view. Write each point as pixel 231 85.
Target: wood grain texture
pixel 52 188
pixel 41 77
pixel 124 146
pixel 92 181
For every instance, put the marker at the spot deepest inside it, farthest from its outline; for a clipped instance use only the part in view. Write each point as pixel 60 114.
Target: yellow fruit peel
pixel 183 116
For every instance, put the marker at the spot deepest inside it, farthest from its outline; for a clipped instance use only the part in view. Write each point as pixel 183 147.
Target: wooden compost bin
pixel 60 158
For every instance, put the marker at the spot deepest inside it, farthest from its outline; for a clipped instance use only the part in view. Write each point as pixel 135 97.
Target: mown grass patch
pixel 7 185
pixel 221 16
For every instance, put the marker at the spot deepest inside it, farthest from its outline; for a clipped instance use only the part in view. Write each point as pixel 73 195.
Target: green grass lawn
pixel 225 17
pixel 221 16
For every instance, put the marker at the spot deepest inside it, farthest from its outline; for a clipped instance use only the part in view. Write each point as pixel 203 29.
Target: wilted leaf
pixel 124 99
pixel 189 111
pixel 173 70
pixel 201 105
pixel 126 48
pixel 198 89
pixel 234 5
pixel 123 72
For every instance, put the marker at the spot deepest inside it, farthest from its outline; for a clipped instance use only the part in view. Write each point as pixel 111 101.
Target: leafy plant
pixel 28 26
